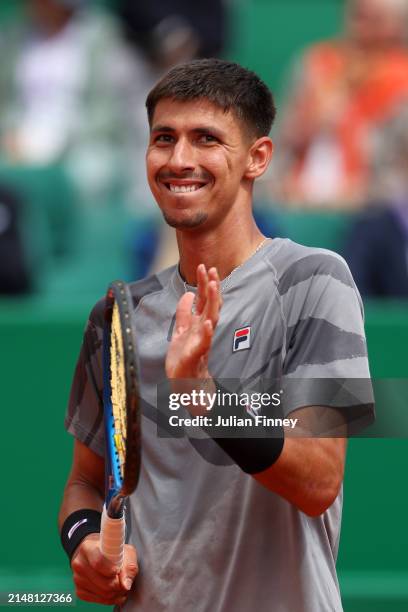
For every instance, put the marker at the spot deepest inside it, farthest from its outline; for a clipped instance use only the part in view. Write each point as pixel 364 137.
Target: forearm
pixel 85 485
pixel 304 469
pixel 308 473
pixel 79 495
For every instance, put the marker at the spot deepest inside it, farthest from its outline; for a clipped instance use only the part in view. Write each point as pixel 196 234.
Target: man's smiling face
pixel 196 161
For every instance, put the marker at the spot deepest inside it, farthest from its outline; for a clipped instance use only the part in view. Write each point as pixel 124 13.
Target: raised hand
pixel 187 357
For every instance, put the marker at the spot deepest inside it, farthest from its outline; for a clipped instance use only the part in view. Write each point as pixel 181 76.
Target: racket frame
pixel 116 487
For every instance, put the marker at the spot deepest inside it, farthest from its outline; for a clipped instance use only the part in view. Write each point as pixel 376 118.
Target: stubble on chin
pixel 196 221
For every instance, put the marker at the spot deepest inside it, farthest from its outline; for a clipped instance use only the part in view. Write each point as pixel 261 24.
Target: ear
pixel 259 156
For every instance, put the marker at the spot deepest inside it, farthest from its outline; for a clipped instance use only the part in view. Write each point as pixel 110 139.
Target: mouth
pixel 183 187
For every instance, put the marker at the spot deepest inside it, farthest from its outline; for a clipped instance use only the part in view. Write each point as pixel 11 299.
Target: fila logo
pixel 242 339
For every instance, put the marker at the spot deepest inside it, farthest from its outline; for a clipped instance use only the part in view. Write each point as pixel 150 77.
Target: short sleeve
pixel 326 362
pixel 84 417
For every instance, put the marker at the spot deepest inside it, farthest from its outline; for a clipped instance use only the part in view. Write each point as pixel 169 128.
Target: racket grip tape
pixel 112 539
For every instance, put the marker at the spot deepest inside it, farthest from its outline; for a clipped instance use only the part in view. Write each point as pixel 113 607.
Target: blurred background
pixel 76 212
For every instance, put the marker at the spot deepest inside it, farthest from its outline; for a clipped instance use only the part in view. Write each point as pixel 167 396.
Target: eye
pixel 164 138
pixel 207 139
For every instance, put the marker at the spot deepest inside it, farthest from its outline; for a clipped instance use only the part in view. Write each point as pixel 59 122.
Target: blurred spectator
pixel 70 90
pixel 342 90
pixel 378 247
pixel 173 31
pixel 377 254
pixel 14 273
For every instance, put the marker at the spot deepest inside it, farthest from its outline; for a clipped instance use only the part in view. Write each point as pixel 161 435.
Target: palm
pixel 190 345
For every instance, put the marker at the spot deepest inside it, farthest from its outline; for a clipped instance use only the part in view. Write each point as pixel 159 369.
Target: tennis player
pixel 221 524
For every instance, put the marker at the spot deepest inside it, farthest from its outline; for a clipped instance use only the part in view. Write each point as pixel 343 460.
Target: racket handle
pixel 112 540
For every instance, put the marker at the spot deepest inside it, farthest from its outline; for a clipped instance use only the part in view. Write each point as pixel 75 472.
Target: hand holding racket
pixel 121 416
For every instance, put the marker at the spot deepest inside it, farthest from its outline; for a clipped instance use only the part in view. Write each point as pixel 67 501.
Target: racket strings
pixel 118 388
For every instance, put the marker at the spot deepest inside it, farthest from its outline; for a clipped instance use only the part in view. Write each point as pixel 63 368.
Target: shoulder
pixel 151 284
pixel 316 282
pixel 295 263
pixel 138 289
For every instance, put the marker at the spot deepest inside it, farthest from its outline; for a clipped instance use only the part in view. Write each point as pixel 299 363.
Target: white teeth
pixel 183 188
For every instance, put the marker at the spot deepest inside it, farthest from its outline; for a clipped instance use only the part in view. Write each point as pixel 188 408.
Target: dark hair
pixel 225 84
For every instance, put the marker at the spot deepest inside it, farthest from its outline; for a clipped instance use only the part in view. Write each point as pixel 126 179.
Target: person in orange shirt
pixel 343 90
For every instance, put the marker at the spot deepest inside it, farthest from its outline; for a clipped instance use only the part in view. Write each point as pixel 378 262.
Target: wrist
pixel 77 526
pixel 252 454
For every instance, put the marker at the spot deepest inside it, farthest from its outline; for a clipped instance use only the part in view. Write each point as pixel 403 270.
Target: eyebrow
pixel 162 128
pixel 197 130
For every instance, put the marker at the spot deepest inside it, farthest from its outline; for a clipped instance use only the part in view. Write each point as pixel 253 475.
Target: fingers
pixel 130 568
pixel 96 579
pixel 208 307
pixel 208 332
pixel 208 298
pixel 87 576
pixel 212 307
pixel 187 356
pixel 184 312
pixel 91 552
pixel 202 288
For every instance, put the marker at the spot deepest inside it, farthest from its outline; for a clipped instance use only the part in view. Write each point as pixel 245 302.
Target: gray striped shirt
pixel 209 537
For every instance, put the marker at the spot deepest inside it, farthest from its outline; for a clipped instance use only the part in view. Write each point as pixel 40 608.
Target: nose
pixel 182 156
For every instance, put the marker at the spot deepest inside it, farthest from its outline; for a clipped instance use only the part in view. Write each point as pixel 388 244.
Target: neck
pixel 224 248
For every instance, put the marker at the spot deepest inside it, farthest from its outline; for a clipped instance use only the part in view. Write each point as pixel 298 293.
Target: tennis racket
pixel 121 416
